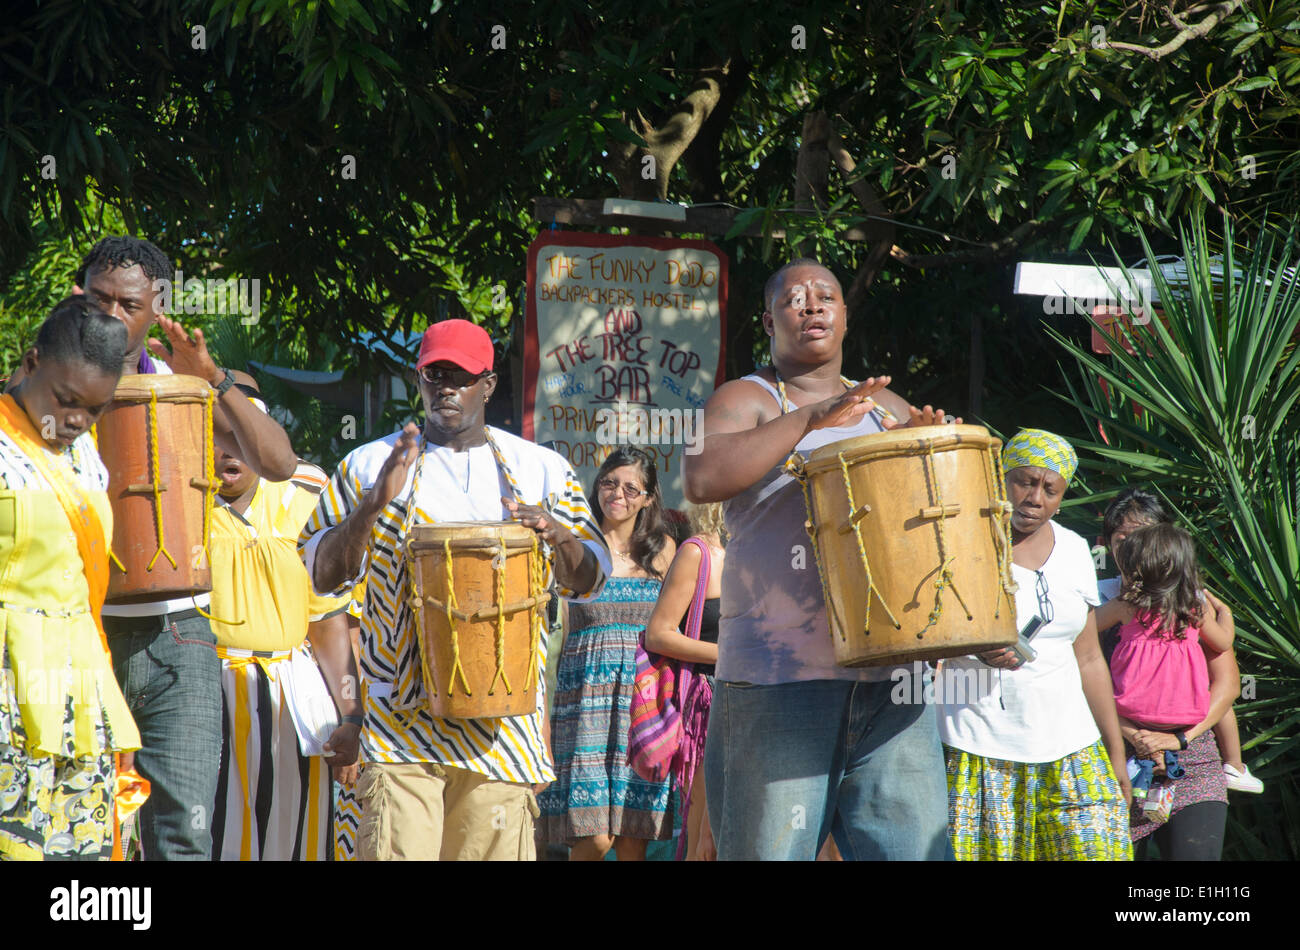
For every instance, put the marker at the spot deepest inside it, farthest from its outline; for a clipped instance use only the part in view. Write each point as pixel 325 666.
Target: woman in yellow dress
pixel 277 639
pixel 62 715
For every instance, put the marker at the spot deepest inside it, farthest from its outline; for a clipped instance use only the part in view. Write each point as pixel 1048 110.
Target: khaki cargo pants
pixel 427 812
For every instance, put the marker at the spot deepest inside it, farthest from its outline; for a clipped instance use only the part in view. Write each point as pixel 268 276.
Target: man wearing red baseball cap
pixel 459 342
pixel 445 788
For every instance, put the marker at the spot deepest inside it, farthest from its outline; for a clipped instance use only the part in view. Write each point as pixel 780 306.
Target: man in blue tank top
pixel 798 747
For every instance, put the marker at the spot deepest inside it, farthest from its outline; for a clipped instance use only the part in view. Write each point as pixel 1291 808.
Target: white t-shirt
pixel 156 608
pixel 1037 713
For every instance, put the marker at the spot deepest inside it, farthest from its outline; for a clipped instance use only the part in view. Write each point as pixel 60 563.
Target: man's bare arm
pixel 343 547
pixel 737 450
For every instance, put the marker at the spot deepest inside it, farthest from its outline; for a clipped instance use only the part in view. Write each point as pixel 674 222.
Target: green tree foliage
pixel 357 157
pixel 1204 410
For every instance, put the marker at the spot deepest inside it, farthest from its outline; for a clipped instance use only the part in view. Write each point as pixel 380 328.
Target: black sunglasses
pixel 457 377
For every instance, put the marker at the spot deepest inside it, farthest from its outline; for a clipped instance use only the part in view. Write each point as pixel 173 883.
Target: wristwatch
pixel 1182 739
pixel 223 387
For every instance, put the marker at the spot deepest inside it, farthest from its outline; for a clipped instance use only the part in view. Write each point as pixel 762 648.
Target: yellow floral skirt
pixel 55 807
pixel 1068 810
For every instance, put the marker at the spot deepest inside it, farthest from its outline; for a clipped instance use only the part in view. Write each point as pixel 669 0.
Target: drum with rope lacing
pixel 910 530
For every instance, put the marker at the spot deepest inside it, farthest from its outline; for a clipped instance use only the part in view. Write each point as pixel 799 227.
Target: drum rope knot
pixel 416 601
pixel 452 607
pixel 499 569
pixel 1001 538
pixel 536 580
pixel 862 554
pixel 157 482
pixel 945 580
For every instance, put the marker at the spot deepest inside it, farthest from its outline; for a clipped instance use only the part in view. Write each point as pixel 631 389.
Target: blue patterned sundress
pixel 595 791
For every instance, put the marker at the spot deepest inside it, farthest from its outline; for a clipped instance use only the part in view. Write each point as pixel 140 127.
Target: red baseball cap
pixel 456 341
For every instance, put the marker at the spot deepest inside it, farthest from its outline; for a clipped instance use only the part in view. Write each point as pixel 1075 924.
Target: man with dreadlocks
pixel 164 651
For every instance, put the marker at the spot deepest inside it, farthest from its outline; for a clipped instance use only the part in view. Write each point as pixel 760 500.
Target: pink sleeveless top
pixel 1158 678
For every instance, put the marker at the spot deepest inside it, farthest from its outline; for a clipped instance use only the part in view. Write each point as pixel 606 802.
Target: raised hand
pixel 392 476
pixel 848 407
pixel 187 356
pixel 921 417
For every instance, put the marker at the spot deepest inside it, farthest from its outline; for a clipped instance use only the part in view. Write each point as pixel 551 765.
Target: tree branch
pixel 702 158
pixel 880 232
pixel 811 169
pixel 989 252
pixel 1189 32
pixel 667 142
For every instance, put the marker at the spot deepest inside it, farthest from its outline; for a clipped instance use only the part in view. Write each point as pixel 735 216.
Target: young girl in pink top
pixel 1162 684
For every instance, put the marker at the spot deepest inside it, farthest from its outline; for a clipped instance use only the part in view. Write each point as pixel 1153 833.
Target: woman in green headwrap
pixel 1030 745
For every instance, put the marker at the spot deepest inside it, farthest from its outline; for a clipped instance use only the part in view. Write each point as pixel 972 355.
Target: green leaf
pixel 1080 232
pixel 1259 82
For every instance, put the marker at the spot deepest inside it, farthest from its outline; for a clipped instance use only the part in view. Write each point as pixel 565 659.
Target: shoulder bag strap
pixel 695 615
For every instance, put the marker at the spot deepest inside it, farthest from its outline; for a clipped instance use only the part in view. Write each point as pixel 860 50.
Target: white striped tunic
pixel 453 486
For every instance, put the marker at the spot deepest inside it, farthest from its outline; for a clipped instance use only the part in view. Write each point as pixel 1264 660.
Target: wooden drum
pixel 156 442
pixel 911 531
pixel 478 593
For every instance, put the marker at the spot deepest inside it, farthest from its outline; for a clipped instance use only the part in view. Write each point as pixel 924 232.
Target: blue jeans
pixel 1142 778
pixel 788 765
pixel 171 677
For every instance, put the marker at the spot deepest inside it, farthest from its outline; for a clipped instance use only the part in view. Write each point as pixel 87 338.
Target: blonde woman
pixel 663 636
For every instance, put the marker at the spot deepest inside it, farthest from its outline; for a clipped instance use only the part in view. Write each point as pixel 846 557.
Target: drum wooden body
pixel 912 535
pixel 159 456
pixel 479 592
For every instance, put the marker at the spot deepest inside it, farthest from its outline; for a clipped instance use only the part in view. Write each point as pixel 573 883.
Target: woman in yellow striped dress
pixel 62 715
pixel 279 643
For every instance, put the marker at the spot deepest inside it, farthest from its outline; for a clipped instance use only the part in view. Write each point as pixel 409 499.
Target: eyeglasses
pixel 630 491
pixel 457 377
pixel 1045 609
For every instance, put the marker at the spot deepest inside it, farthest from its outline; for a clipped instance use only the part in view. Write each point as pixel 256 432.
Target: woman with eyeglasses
pixel 596 801
pixel 1034 753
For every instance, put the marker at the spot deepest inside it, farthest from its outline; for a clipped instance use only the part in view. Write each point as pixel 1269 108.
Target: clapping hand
pixel 848 407
pixel 392 475
pixel 188 355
